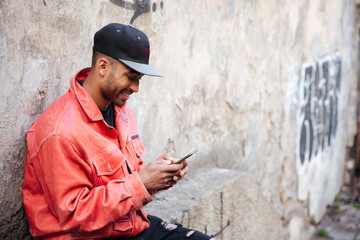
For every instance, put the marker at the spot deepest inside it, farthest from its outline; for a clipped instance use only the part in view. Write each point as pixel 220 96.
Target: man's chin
pixel 119 103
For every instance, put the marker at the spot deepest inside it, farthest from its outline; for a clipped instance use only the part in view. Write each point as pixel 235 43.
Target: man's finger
pixel 171 183
pixel 166 161
pixel 162 161
pixel 183 172
pixel 172 168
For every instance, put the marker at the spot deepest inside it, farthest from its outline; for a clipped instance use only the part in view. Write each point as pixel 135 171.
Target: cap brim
pixel 141 68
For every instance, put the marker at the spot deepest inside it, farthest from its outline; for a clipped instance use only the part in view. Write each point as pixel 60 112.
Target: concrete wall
pixel 266 88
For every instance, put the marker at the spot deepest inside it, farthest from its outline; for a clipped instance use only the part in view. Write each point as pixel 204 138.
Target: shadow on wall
pixel 186 219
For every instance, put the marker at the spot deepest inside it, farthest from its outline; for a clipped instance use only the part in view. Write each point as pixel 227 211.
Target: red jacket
pixel 81 175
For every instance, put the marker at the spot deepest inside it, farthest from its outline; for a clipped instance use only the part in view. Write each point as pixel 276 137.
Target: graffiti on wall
pixel 319 90
pixel 138 6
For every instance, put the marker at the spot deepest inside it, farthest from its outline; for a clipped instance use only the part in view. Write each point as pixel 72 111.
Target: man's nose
pixel 135 86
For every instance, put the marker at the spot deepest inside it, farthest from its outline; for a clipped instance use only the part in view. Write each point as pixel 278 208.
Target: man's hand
pixel 162 173
pixel 183 170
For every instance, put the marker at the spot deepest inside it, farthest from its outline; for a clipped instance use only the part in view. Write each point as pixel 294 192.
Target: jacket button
pixel 109 167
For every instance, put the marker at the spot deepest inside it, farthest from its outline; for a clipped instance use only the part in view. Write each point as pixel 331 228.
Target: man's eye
pixel 132 78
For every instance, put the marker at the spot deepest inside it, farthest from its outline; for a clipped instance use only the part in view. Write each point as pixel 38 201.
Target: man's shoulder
pixel 56 118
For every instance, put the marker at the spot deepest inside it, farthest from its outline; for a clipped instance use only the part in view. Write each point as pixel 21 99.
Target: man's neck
pixel 91 86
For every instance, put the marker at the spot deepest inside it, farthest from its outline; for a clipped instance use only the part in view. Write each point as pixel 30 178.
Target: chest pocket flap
pixel 138 146
pixel 109 162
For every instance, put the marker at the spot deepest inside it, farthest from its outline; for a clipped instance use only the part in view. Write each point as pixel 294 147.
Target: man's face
pixel 121 82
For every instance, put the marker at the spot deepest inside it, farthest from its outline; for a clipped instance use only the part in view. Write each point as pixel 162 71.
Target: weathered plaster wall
pixel 232 87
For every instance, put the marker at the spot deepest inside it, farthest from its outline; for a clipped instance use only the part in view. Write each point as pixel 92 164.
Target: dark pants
pixel 160 230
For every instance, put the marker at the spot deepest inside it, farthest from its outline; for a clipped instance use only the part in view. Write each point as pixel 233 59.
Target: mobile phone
pixel 188 155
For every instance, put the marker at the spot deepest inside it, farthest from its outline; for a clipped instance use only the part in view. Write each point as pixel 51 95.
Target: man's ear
pixel 103 66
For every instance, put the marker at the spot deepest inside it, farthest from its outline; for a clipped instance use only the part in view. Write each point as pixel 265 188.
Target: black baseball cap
pixel 126 44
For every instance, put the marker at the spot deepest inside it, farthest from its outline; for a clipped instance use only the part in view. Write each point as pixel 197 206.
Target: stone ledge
pixel 222 202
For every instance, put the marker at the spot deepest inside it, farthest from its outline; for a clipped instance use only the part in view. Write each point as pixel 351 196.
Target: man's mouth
pixel 125 94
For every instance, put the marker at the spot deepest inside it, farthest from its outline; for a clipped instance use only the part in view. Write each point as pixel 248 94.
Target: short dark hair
pixel 96 54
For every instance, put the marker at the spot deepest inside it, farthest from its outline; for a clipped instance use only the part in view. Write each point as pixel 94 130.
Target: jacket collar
pixel 87 103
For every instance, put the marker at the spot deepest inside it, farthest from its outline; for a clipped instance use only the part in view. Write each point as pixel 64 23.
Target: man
pixel 84 176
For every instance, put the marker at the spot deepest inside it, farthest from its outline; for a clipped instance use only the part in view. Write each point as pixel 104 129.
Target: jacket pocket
pixel 136 150
pixel 138 147
pixel 109 165
pixel 124 225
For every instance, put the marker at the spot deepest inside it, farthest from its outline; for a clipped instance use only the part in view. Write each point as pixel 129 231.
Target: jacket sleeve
pixel 71 194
